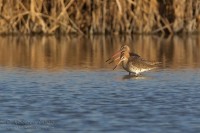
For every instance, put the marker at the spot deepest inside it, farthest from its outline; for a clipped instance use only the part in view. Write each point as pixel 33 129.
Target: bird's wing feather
pixel 140 63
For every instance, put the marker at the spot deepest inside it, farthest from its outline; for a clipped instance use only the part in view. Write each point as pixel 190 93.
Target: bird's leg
pixel 129 73
pixel 136 74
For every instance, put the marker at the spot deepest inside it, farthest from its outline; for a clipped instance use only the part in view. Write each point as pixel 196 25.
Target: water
pixel 52 84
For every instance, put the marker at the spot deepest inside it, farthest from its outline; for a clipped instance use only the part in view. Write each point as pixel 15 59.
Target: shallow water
pixel 50 84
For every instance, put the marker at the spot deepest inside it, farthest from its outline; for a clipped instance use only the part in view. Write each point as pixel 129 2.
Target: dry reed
pixel 99 16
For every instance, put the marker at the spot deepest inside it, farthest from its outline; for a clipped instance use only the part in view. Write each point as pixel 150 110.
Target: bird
pixel 133 63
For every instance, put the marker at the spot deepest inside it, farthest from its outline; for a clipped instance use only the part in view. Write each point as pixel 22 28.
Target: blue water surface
pixel 166 100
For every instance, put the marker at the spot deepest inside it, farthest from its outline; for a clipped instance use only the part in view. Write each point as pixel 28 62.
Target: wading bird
pixel 132 62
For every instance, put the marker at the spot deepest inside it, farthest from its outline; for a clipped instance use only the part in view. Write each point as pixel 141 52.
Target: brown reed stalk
pixel 99 16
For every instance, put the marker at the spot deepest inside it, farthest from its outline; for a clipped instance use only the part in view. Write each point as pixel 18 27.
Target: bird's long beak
pixel 117 53
pixel 114 60
pixel 117 64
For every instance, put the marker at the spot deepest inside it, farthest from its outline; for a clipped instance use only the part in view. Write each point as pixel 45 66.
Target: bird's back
pixel 140 63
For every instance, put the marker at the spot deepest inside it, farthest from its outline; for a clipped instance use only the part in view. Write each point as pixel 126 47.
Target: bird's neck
pixel 124 62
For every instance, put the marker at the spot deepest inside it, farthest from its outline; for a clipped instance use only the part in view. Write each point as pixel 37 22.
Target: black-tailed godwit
pixel 133 63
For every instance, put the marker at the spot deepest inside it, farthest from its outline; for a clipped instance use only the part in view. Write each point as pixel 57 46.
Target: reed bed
pixel 99 16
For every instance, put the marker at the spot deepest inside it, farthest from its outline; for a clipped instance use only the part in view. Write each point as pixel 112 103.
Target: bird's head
pixel 123 57
pixel 125 48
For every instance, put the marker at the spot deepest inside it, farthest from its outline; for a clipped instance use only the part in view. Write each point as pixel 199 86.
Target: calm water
pixel 50 84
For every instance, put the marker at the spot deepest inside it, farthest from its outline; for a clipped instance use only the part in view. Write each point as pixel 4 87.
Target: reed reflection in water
pixel 50 52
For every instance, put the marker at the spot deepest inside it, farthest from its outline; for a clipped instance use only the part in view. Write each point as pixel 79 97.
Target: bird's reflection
pixel 139 77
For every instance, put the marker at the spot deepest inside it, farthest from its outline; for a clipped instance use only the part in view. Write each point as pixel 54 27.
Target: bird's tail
pixel 154 63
